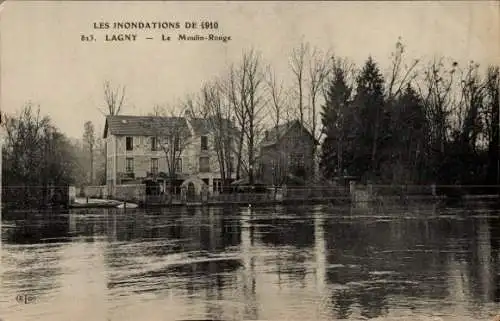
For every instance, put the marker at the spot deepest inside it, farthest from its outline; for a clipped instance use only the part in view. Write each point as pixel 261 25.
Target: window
pixel 129 165
pixel 154 143
pixel 129 143
pixel 204 164
pixel 217 185
pixel 204 142
pixel 178 165
pixel 296 159
pixel 154 166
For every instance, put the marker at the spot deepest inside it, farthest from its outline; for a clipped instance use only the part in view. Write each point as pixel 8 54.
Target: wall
pixel 194 153
pixel 297 141
pixel 142 155
pixel 110 152
pixel 273 173
pixel 130 193
pixel 96 191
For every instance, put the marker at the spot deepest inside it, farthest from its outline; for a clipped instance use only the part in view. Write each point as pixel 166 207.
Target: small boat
pixel 127 205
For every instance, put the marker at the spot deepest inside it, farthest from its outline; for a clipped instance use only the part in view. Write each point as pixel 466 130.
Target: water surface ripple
pixel 314 262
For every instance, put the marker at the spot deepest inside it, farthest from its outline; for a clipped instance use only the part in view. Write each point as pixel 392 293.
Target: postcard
pixel 249 160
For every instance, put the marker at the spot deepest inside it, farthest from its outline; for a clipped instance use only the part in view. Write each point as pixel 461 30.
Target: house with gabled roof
pixel 286 154
pixel 143 149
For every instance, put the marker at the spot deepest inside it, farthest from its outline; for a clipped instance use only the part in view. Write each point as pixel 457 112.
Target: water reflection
pixel 302 262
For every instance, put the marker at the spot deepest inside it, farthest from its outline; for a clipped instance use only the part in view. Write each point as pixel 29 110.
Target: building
pixel 286 153
pixel 158 151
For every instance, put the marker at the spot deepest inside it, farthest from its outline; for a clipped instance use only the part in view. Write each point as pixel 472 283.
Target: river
pixel 314 262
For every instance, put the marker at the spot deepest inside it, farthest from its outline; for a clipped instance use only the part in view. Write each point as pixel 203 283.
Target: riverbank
pixel 99 203
pixel 357 194
pixel 86 202
pixel 340 200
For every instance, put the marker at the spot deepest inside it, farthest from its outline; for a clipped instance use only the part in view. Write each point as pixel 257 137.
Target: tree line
pixel 36 153
pixel 426 122
pixel 417 122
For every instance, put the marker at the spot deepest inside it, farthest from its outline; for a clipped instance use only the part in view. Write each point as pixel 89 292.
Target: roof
pixel 276 133
pixel 141 125
pixel 200 126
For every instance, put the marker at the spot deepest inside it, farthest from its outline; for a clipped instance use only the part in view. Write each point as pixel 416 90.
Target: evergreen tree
pixel 334 117
pixel 373 126
pixel 408 138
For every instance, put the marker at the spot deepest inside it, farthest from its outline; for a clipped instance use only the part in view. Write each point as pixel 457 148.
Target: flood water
pixel 320 262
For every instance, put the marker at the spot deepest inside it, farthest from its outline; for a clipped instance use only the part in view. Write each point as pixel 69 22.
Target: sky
pixel 44 60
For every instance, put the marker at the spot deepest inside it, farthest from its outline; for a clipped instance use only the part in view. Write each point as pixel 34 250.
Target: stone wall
pixel 96 191
pixel 130 193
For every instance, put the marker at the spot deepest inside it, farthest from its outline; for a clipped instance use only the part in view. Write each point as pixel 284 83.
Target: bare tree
pixel 492 101
pixel 170 135
pixel 114 98
pixel 194 105
pixel 279 114
pixel 400 75
pixel 36 158
pixel 157 110
pixel 436 92
pixel 310 68
pixel 298 65
pixel 234 93
pixel 277 94
pixel 25 136
pixel 218 115
pixel 471 106
pixel 318 67
pixel 89 140
pixel 319 70
pixel 251 79
pixel 405 121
